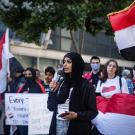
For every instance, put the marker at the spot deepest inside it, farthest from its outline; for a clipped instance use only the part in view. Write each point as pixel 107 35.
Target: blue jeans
pixel 61 127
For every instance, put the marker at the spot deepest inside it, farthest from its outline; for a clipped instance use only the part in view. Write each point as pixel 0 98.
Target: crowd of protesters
pixel 73 100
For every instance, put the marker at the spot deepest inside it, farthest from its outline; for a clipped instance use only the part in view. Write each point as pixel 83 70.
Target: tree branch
pixel 74 41
pixel 82 42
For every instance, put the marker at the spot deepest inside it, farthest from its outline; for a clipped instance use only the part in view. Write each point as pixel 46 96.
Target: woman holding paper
pixel 73 102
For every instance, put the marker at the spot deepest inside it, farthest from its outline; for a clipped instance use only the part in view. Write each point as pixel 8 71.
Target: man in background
pixel 93 75
pixel 49 74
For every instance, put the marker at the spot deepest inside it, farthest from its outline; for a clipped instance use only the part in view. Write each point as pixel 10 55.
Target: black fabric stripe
pixel 128 53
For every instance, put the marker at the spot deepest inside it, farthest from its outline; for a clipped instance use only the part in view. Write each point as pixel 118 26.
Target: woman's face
pixel 67 65
pixel 28 73
pixel 111 68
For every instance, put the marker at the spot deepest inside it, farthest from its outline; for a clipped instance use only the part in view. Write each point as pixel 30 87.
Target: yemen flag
pixel 123 24
pixel 4 45
pixel 116 115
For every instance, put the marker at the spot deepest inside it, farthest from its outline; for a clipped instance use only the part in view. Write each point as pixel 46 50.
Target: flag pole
pixel 7 49
pixel 7 56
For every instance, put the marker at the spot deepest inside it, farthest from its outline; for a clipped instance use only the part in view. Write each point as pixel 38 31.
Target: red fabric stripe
pixel 2 41
pixel 20 88
pixel 118 103
pixel 123 19
pixel 41 86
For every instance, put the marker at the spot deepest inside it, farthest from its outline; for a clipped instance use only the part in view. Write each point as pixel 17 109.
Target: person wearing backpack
pixel 110 82
pixel 127 75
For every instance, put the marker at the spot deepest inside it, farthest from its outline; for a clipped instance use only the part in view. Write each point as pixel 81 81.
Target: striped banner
pixel 123 24
pixel 116 115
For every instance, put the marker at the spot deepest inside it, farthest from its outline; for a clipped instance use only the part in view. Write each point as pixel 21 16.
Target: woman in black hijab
pixel 74 102
pixel 31 85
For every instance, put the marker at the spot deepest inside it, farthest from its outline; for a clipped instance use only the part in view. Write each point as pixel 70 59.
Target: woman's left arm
pixel 90 104
pixel 88 110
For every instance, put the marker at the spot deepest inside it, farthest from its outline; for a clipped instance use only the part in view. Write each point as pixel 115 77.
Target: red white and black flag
pixel 123 24
pixel 116 115
pixel 4 55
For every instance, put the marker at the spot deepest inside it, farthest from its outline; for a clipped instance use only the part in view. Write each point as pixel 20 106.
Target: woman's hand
pixel 70 116
pixel 54 85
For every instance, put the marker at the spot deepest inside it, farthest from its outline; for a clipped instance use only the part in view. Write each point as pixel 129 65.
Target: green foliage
pixel 30 18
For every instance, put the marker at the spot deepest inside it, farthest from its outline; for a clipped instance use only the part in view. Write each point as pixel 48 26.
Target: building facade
pixel 36 56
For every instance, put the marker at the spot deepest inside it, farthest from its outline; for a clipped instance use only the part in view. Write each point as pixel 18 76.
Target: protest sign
pixel 28 109
pixel 39 116
pixel 16 109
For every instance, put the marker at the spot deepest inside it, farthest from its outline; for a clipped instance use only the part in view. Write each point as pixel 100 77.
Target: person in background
pixel 93 76
pixel 37 73
pixel 110 82
pixel 17 80
pixel 73 101
pixel 111 88
pixel 30 86
pixel 127 75
pixel 49 74
pixel 133 79
pixel 38 76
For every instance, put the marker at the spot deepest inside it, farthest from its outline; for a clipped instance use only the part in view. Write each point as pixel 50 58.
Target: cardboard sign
pixel 16 109
pixel 39 116
pixel 28 109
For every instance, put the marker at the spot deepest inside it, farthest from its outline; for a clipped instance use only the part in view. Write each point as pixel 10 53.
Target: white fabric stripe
pixel 3 71
pixel 125 38
pixel 3 75
pixel 115 124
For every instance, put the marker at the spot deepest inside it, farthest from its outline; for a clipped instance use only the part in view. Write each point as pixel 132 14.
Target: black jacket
pixel 82 101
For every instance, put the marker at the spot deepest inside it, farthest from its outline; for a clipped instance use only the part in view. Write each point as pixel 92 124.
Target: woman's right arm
pixel 51 102
pixel 52 96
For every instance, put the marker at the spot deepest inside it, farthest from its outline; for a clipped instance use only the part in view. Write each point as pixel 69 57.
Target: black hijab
pixel 31 86
pixel 75 81
pixel 77 67
pixel 31 80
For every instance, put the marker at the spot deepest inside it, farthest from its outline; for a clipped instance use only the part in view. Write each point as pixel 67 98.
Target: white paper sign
pixel 16 109
pixel 28 109
pixel 39 116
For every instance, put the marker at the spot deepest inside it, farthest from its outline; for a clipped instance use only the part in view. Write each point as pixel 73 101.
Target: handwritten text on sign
pixel 28 109
pixel 39 116
pixel 16 108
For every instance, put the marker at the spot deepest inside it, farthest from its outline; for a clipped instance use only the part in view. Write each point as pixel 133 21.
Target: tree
pixel 31 17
